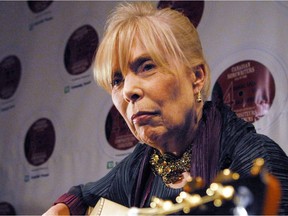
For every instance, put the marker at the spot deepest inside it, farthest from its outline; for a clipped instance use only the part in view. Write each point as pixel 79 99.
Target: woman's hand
pixel 58 209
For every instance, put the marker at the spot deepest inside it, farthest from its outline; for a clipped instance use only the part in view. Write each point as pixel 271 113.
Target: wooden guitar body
pixel 229 194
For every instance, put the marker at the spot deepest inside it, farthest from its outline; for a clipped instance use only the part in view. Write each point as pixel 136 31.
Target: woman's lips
pixel 141 118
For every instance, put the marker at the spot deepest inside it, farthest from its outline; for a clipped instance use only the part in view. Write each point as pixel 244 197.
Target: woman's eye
pixel 117 80
pixel 146 66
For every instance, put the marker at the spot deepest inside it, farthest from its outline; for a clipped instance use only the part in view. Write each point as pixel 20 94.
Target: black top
pixel 223 141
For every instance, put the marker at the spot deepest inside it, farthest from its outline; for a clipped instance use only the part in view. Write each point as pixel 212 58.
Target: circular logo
pixel 192 9
pixel 80 49
pixel 10 73
pixel 40 141
pixel 38 6
pixel 248 87
pixel 6 209
pixel 118 134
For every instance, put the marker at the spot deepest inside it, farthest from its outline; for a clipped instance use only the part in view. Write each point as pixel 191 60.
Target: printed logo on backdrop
pixel 118 134
pixel 42 15
pixel 38 147
pixel 38 6
pixel 78 56
pixel 248 87
pixel 6 209
pixel 10 75
pixel 192 9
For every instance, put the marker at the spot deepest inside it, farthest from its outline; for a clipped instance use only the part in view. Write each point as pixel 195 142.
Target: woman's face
pixel 157 106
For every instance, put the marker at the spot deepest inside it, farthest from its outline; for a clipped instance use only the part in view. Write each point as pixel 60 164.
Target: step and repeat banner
pixel 59 129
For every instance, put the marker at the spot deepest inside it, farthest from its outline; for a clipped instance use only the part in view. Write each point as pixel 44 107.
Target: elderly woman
pixel 151 62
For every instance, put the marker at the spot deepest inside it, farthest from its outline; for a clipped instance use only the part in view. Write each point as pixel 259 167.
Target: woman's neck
pixel 180 141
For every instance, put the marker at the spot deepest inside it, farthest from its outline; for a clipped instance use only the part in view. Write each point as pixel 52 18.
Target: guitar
pixel 228 194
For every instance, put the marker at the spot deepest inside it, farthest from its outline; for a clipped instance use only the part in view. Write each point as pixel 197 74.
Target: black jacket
pixel 229 142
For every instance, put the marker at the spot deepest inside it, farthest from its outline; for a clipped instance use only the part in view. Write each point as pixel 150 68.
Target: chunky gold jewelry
pixel 169 167
pixel 199 97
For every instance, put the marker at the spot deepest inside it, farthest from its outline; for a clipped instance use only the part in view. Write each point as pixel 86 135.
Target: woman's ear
pixel 200 75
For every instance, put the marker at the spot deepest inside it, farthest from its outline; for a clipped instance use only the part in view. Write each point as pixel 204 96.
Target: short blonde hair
pixel 165 33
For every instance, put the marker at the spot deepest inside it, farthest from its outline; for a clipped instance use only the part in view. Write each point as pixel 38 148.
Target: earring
pixel 199 97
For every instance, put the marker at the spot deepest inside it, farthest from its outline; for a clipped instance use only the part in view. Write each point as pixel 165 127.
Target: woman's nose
pixel 132 90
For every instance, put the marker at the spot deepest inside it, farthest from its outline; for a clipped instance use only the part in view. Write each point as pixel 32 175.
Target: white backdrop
pixel 53 116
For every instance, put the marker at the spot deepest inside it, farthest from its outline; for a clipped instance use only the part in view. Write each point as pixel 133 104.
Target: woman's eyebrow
pixel 117 72
pixel 138 62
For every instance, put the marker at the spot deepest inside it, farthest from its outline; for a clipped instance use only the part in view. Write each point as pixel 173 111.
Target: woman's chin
pixel 151 138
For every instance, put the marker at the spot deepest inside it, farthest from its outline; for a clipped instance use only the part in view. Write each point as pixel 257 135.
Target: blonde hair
pixel 165 33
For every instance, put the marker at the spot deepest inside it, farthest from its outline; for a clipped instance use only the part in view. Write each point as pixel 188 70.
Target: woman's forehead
pixel 134 52
pixel 137 50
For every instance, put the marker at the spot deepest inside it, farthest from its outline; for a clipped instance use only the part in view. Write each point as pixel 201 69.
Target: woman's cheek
pixel 134 131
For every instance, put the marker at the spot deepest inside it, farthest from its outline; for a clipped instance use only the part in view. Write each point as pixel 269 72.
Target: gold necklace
pixel 169 167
